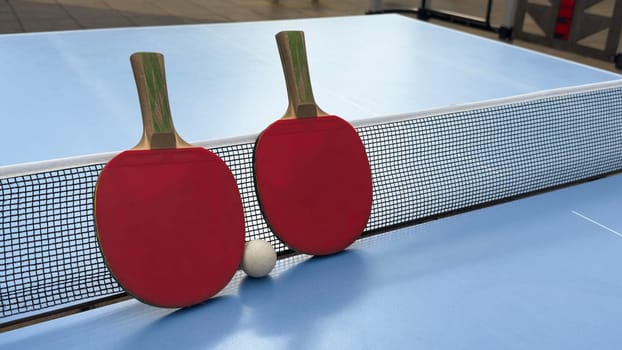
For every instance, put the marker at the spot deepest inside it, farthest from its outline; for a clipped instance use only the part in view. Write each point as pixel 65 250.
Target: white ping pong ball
pixel 259 258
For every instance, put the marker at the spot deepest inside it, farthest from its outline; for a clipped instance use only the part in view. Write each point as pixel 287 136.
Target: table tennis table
pixel 437 269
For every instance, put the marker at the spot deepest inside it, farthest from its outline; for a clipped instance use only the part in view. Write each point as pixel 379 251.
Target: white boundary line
pixel 596 223
pixel 100 158
pixel 65 163
pixel 490 103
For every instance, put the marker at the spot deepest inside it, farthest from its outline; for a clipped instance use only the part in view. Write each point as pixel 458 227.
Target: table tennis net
pixel 424 165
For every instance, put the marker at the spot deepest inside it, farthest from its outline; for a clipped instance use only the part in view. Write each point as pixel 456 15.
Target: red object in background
pixel 564 19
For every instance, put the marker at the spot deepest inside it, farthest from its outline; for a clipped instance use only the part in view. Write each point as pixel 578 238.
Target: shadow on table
pixel 198 327
pixel 293 303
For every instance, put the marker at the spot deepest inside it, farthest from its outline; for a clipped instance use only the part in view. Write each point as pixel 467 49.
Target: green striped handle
pixel 293 54
pixel 159 131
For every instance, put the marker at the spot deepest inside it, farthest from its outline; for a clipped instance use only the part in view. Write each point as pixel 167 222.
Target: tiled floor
pixel 44 15
pixel 17 16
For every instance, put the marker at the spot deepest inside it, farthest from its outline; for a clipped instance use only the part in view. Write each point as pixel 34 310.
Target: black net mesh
pixel 422 167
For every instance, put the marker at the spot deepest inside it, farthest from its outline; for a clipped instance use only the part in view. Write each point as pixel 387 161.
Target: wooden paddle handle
pixel 293 54
pixel 158 129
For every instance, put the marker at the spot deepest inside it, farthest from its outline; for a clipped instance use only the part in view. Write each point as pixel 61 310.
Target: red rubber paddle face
pixel 170 224
pixel 314 183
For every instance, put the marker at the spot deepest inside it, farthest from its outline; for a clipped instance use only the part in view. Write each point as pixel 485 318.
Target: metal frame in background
pixel 583 25
pixel 425 13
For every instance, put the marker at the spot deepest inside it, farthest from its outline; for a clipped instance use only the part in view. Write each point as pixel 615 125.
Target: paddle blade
pixel 313 182
pixel 170 224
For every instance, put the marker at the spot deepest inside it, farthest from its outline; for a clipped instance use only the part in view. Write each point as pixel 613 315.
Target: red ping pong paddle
pixel 169 216
pixel 312 175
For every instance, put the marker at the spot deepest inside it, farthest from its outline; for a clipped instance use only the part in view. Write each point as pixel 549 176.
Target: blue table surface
pixel 72 93
pixel 538 273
